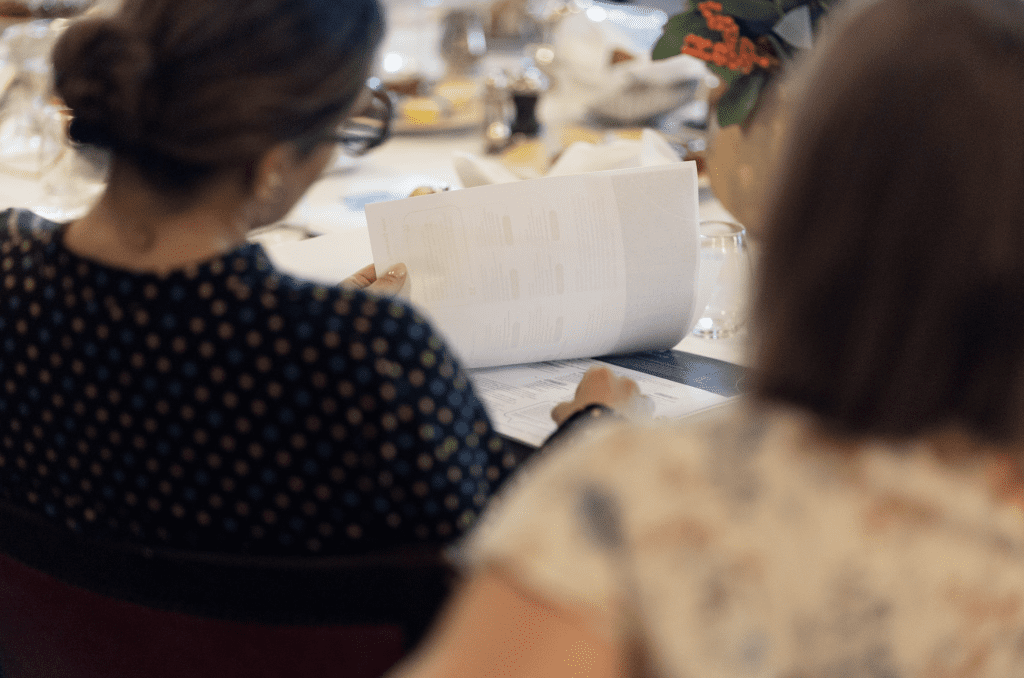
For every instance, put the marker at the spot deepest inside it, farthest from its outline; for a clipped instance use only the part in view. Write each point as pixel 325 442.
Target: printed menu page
pixel 519 398
pixel 551 268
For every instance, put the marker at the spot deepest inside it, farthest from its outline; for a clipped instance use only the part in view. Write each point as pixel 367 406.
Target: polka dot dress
pixel 228 407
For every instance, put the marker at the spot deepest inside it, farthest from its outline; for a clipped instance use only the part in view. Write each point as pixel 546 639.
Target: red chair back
pixel 113 611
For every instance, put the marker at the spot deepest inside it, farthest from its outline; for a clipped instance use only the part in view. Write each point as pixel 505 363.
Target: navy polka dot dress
pixel 229 407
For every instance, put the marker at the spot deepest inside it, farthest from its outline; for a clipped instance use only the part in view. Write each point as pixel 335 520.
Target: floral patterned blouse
pixel 749 549
pixel 229 407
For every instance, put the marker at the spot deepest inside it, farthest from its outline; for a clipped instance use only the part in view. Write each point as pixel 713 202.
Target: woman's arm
pixel 601 386
pixel 493 628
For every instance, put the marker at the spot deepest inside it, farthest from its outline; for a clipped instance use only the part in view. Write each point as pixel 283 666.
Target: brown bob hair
pixel 184 88
pixel 890 293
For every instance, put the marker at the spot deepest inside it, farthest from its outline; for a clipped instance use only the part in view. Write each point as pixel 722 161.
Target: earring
pixel 270 189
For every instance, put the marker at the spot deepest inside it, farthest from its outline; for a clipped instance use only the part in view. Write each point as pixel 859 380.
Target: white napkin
pixel 578 158
pixel 627 92
pixel 475 170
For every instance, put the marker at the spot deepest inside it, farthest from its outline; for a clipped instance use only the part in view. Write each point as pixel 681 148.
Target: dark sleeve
pixel 588 416
pixel 444 458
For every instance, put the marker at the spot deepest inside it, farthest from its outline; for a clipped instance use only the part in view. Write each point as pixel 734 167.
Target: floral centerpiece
pixel 744 43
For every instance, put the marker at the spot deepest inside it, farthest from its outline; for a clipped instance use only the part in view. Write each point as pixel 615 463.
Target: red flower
pixel 733 52
pixel 697 46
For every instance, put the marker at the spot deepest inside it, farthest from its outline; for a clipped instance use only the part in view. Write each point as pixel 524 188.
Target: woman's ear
pixel 271 170
pixel 280 177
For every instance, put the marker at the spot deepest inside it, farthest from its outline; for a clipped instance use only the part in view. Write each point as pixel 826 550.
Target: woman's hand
pixel 389 284
pixel 600 386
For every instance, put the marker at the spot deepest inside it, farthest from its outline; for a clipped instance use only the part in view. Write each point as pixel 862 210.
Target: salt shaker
pixel 497 112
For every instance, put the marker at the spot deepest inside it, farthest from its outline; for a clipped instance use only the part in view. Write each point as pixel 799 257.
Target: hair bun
pixel 100 71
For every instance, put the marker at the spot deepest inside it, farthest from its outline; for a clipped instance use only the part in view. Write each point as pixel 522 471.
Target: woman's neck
pixel 134 227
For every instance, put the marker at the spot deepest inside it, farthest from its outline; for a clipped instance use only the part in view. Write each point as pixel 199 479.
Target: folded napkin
pixel 592 80
pixel 580 157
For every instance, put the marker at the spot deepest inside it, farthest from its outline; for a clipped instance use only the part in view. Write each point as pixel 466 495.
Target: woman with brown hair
pixel 160 382
pixel 860 513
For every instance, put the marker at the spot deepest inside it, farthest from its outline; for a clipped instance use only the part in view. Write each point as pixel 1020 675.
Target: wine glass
pixel 31 136
pixel 74 183
pixel 463 43
pixel 723 280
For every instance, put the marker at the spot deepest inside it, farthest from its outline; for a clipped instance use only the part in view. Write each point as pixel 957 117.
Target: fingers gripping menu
pixel 552 268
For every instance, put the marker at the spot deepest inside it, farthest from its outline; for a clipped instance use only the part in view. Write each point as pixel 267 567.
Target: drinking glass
pixel 77 179
pixel 463 43
pixel 31 139
pixel 723 280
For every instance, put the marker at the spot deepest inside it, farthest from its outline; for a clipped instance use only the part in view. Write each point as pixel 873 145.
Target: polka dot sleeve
pixel 435 459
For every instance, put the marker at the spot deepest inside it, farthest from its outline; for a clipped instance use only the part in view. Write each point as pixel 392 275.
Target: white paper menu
pixel 519 398
pixel 551 268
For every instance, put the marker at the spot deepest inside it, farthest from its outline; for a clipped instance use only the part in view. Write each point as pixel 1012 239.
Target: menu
pixel 519 398
pixel 552 268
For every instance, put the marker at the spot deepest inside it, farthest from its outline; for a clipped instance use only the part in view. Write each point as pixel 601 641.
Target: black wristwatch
pixel 588 415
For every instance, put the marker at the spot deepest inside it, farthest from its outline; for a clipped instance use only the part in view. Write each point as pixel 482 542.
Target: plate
pixel 471 116
pixel 451 105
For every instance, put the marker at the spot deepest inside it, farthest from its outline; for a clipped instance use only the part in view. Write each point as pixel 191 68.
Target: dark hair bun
pixel 184 88
pixel 100 71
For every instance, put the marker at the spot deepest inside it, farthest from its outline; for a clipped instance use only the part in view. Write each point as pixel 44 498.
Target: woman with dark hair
pixel 860 513
pixel 159 381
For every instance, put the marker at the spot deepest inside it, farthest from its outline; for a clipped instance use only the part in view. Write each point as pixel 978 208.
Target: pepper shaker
pixel 526 89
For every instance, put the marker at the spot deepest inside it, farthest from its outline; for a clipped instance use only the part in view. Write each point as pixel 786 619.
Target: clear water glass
pixel 723 280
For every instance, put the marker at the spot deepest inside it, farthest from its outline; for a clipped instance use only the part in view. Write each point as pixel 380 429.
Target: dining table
pixel 334 207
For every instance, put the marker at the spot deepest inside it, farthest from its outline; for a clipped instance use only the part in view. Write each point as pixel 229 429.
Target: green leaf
pixel 726 75
pixel 754 10
pixel 741 98
pixel 675 31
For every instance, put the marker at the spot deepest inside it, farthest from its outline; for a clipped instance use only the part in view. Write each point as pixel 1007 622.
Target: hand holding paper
pixel 389 284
